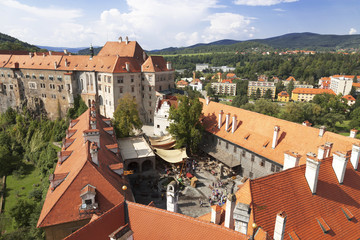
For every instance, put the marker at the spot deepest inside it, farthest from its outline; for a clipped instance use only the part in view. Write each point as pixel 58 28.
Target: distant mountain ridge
pixel 60 49
pixel 10 43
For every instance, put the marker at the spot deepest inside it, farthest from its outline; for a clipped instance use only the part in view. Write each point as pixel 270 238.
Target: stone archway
pixel 147 165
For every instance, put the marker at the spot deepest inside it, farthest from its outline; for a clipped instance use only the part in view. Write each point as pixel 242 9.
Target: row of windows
pixel 33 76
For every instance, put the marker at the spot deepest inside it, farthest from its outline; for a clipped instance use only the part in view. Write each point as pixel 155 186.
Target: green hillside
pixel 10 43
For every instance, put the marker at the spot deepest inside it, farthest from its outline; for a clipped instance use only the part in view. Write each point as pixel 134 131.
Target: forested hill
pixel 10 43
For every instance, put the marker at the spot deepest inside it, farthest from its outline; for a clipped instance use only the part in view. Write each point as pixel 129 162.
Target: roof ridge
pixel 39 223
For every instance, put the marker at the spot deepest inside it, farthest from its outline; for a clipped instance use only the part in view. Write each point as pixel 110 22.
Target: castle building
pixel 88 177
pixel 51 81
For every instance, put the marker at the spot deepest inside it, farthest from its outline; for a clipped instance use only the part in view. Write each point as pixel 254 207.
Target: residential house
pixel 262 86
pixel 161 117
pixel 283 96
pixel 307 94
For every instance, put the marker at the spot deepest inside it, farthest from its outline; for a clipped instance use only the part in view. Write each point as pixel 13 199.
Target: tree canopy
pixel 126 117
pixel 186 126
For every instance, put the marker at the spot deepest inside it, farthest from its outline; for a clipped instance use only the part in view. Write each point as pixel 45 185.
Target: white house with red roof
pixel 161 117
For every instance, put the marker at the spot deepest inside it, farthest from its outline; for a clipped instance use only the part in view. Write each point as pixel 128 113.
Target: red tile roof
pixel 260 128
pixel 132 50
pixel 283 94
pixel 357 85
pixel 182 83
pixel 148 222
pixel 155 64
pixel 349 98
pixel 291 78
pixel 62 204
pixel 227 81
pixel 313 91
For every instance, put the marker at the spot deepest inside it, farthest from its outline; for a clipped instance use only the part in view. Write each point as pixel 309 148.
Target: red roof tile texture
pixel 293 137
pixel 313 91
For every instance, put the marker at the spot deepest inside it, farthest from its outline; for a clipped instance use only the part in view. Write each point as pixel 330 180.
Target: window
pixel 41 76
pixel 252 157
pixel 99 86
pixel 121 90
pixel 272 167
pixel 132 78
pixel 120 79
pixel 109 89
pixel 99 78
pixel 158 126
pixel 132 89
pixel 53 96
pixel 52 86
pixel 42 85
pixel 59 78
pixel 109 79
pixel 149 104
pixel 219 142
pixel 277 169
pixel 51 77
pixel 150 114
pixel 11 87
pixel 160 88
pixel 235 149
pixel 33 76
pixel 251 174
pixel 262 163
pixel 110 103
pixel 149 88
pixel 43 95
pixel 243 153
pixel 227 145
pixel 32 85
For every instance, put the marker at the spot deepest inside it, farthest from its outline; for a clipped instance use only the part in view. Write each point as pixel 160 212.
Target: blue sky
pixel 157 24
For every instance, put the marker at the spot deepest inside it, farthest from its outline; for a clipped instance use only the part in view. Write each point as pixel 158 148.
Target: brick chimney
pixel 312 171
pixel 275 136
pixel 215 214
pixel 291 159
pixel 322 131
pixel 227 119
pixel 94 152
pixel 353 133
pixel 355 154
pixel 280 223
pixel 339 165
pixel 220 119
pixel 93 123
pixel 30 54
pixel 229 212
pixel 168 65
pixel 234 124
pixel 92 135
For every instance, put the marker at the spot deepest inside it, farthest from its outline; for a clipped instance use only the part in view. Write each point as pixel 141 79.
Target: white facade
pixel 341 85
pixel 202 66
pixel 161 121
pixel 224 88
pixel 196 86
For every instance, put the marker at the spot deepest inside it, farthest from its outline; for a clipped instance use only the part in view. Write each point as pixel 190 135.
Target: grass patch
pixel 19 188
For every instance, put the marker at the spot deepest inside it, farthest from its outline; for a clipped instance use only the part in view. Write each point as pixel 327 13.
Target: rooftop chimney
pixel 65 51
pixel 312 171
pixel 30 54
pixel 66 63
pixel 339 165
pixel 280 223
pixel 215 214
pixel 322 131
pixel 229 212
pixel 120 39
pixel 168 65
pixel 94 153
pixel 291 159
pixel 322 150
pixel 328 147
pixel 50 53
pixel 126 40
pixel 275 136
pixel 242 217
pixel 355 154
pixel 92 135
pixel 127 65
pixel 144 55
pixel 220 119
pixel 353 133
pixel 207 100
pixel 234 124
pixel 55 65
pixel 93 123
pixel 227 119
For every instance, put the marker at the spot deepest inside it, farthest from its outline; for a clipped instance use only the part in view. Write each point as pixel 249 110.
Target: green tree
pixel 268 94
pixel 258 94
pixel 126 117
pixel 209 90
pixel 266 107
pixel 186 126
pixel 293 112
pixel 21 212
pixel 279 87
pixel 239 100
pixel 78 109
pixel 290 87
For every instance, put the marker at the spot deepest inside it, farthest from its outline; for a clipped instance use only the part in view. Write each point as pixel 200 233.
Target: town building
pixel 283 96
pixel 316 200
pixel 88 177
pixel 223 69
pixel 196 85
pixel 324 82
pixel 182 84
pixel 50 81
pixel 231 76
pixel 262 86
pixel 226 87
pixel 307 94
pixel 161 117
pixel 357 88
pixel 303 86
pixel 350 100
pixel 201 66
pixel 341 84
pixel 130 220
pixel 251 143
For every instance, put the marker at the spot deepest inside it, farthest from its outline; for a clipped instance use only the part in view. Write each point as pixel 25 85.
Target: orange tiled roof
pixel 325 78
pixel 349 98
pixel 283 94
pixel 131 50
pixel 4 58
pixel 230 75
pixel 292 136
pixel 62 204
pixel 357 85
pixel 144 222
pixel 345 76
pixel 313 91
pixel 227 81
pixel 155 64
pixel 182 83
pixel 291 78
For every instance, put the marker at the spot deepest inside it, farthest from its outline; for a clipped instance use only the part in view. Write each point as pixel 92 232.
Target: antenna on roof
pixel 91 51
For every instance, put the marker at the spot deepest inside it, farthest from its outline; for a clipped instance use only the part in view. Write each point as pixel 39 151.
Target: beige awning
pixel 165 142
pixel 172 156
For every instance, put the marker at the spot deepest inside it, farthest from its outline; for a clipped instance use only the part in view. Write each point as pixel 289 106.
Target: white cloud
pixel 279 10
pixel 261 2
pixel 352 31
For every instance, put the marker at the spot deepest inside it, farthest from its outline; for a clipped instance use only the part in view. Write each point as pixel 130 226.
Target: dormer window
pixel 87 195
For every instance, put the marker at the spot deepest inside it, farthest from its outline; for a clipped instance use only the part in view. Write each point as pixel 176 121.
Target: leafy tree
pixel 258 93
pixel 239 100
pixel 78 109
pixel 279 87
pixel 355 118
pixel 268 94
pixel 293 112
pixel 126 117
pixel 186 126
pixel 266 107
pixel 290 87
pixel 21 212
pixel 209 90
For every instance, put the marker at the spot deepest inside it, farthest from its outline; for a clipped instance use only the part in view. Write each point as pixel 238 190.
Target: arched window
pixel 101 101
pixel 81 84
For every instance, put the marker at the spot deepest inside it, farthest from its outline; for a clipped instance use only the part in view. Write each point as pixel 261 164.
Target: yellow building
pixel 283 96
pixel 263 86
pixel 307 94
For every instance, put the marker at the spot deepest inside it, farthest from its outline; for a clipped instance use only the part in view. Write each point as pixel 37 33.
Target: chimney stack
pixel 339 165
pixel 66 63
pixel 50 53
pixel 120 39
pixel 242 217
pixel 275 136
pixel 215 214
pixel 234 124
pixel 328 147
pixel 127 64
pixel 30 54
pixel 322 131
pixel 312 171
pixel 353 133
pixel 144 56
pixel 280 224
pixel 207 100
pixel 65 51
pixel 55 65
pixel 227 119
pixel 93 123
pixel 355 154
pixel 168 65
pixel 94 153
pixel 229 212
pixel 126 40
pixel 322 152
pixel 220 119
pixel 291 159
